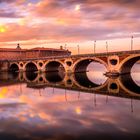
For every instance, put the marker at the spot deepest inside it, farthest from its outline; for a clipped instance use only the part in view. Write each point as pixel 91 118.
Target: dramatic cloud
pixel 68 20
pixel 8 14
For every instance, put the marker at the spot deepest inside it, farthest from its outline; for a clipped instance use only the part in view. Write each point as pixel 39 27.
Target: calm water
pixel 66 107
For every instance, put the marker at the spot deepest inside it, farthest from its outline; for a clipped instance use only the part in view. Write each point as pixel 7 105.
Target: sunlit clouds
pixel 77 7
pixel 67 21
pixel 2 29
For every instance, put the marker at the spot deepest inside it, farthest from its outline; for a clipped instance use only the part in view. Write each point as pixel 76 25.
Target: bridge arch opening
pixel 69 63
pixel 82 65
pixel 113 61
pixel 135 73
pixel 128 63
pixel 54 66
pixel 40 64
pixel 89 72
pixel 14 68
pixel 96 73
pixel 131 68
pixel 31 67
pixel 21 65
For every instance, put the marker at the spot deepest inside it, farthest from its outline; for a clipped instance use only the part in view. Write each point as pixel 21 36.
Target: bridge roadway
pixel 104 54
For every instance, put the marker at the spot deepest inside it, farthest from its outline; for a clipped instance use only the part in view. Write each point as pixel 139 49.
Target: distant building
pixel 18 53
pixel 18 46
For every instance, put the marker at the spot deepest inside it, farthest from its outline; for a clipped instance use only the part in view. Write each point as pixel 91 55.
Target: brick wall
pixel 30 54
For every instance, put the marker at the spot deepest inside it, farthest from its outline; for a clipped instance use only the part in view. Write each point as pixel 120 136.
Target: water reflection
pixel 129 83
pixel 135 73
pixel 93 77
pixel 13 75
pixel 50 116
pixel 123 85
pixel 95 73
pixel 55 77
pixel 84 81
pixel 31 76
pixel 60 111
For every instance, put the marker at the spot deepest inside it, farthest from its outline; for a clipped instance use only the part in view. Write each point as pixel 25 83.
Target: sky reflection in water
pixel 63 114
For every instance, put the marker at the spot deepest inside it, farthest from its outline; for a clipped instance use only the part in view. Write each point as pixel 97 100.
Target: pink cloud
pixel 58 21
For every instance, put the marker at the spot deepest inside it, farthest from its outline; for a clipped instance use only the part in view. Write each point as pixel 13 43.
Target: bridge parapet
pixel 118 53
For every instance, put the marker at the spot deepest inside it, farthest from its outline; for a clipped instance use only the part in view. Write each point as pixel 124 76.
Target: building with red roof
pixel 17 53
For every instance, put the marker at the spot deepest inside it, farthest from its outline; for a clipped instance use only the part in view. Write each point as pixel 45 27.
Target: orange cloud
pixel 67 21
pixel 2 29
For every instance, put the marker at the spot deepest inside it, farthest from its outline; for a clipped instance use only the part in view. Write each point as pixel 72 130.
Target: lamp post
pixel 65 46
pixel 94 46
pixel 131 43
pixel 78 49
pixel 106 46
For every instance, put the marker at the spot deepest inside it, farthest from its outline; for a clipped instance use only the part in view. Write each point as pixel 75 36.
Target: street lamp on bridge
pixel 106 46
pixel 78 49
pixel 94 45
pixel 65 46
pixel 131 43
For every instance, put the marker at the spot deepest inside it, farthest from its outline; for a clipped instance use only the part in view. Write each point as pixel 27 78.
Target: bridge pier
pixel 68 69
pixel 21 70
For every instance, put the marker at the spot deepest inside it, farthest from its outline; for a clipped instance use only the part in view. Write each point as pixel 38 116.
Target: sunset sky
pixel 51 23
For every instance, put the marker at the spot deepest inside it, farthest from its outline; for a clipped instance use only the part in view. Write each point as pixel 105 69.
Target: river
pixel 95 107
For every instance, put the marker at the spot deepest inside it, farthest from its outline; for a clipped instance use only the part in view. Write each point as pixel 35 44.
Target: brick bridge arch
pixel 30 66
pixel 82 64
pixel 14 67
pixel 54 66
pixel 126 64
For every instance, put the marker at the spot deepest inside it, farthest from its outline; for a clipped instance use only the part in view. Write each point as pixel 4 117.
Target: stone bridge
pixel 120 62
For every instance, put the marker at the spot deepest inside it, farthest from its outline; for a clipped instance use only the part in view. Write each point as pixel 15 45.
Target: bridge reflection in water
pixel 122 86
pixel 57 105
